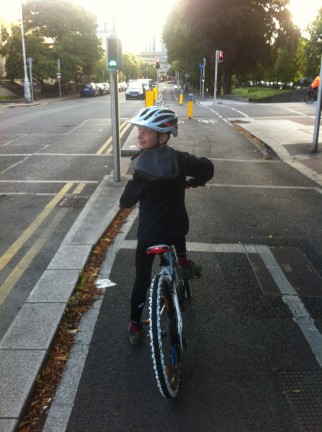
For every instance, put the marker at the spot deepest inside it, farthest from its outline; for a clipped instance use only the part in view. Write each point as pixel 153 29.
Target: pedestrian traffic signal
pixel 157 64
pixel 114 54
pixel 220 56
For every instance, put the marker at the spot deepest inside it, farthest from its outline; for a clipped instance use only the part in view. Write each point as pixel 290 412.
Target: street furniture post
pixel 115 126
pixel 26 85
pixel 317 115
pixel 155 92
pixel 29 60
pixel 190 105
pixel 114 62
pixel 149 98
pixel 203 79
pixel 181 97
pixel 58 75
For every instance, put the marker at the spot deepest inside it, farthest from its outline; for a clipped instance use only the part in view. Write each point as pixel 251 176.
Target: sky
pixel 136 19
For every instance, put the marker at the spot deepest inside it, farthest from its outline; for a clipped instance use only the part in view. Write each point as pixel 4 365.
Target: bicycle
pixel 168 293
pixel 310 96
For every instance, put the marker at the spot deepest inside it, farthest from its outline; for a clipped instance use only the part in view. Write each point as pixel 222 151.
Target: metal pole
pixel 115 126
pixel 317 115
pixel 26 84
pixel 59 82
pixel 31 84
pixel 203 78
pixel 215 78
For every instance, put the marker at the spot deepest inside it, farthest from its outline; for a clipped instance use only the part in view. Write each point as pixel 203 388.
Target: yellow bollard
pixel 190 105
pixel 181 97
pixel 155 91
pixel 149 98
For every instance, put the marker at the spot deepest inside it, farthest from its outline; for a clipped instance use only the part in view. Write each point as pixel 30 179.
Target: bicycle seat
pixel 158 249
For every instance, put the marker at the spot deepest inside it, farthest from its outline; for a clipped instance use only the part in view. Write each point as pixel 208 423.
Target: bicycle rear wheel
pixel 309 96
pixel 164 339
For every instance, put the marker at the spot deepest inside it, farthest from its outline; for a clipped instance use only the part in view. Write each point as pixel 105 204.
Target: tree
pixel 54 30
pixel 313 47
pixel 248 32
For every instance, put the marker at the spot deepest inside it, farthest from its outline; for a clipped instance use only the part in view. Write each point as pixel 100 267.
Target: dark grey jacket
pixel 159 183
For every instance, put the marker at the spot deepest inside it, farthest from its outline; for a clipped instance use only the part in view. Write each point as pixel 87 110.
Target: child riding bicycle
pixel 158 184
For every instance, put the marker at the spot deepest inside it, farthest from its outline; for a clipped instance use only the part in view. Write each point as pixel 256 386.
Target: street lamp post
pixel 318 111
pixel 26 84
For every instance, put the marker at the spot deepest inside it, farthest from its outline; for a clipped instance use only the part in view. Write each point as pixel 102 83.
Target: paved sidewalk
pixel 291 140
pixel 292 143
pixel 24 347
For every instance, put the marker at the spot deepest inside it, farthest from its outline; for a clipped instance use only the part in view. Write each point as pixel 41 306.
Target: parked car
pixel 89 89
pixel 123 85
pixel 107 87
pixel 101 89
pixel 135 90
pixel 147 83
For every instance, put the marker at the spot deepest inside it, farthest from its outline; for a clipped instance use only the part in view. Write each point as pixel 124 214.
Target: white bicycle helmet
pixel 159 119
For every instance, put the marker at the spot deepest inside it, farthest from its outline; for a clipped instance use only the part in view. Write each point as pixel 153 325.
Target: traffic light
pixel 114 54
pixel 220 56
pixel 157 64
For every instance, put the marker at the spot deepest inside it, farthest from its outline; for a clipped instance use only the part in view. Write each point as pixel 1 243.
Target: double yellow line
pixel 107 147
pixel 25 262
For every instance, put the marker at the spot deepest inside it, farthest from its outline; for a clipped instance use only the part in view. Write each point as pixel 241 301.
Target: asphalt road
pixel 248 366
pixel 48 152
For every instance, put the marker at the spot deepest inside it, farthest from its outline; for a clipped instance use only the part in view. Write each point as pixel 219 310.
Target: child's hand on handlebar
pixel 193 183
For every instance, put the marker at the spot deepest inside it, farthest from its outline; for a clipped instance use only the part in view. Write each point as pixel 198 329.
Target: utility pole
pixel 203 79
pixel 29 60
pixel 26 85
pixel 114 61
pixel 317 113
pixel 219 58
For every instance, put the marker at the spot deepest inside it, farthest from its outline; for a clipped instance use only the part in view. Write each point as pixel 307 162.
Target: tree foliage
pixel 54 30
pixel 249 32
pixel 313 47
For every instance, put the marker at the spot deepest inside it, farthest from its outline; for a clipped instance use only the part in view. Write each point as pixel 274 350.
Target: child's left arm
pixel 132 192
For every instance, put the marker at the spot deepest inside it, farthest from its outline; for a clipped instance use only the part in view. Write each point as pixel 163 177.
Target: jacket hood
pixel 157 163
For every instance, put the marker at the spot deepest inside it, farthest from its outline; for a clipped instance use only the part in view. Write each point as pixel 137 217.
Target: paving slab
pixel 54 286
pixel 8 425
pixel 18 371
pixel 34 327
pixel 70 257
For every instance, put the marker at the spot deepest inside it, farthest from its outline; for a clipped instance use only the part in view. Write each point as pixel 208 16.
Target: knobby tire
pixel 164 338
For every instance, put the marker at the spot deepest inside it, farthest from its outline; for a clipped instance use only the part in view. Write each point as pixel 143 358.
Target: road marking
pixel 50 154
pixel 50 181
pixel 289 296
pixel 109 150
pixel 27 193
pixel 262 186
pixel 125 125
pixel 25 262
pixel 79 189
pixel 25 236
pixel 246 160
pixel 14 165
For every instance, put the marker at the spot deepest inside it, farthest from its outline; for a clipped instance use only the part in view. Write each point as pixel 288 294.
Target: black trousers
pixel 143 265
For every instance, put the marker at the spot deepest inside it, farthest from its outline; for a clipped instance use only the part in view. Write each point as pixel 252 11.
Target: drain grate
pixel 303 390
pixel 73 201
